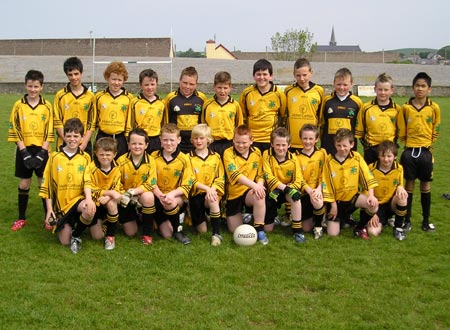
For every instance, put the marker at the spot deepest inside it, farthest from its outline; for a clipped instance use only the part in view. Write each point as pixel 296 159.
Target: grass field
pixel 333 283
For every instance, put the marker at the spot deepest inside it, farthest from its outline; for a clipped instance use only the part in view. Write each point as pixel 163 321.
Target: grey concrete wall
pixel 13 69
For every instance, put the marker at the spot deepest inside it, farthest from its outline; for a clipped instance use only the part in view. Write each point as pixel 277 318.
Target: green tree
pixel 190 53
pixel 292 44
pixel 444 52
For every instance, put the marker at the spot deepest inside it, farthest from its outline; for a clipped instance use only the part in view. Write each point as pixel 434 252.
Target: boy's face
pixel 309 140
pixel 170 142
pixel 148 87
pixel 74 77
pixel 262 78
pixel 200 142
pixel 137 144
pixel 343 147
pixel 222 90
pixel 115 82
pixel 188 84
pixel 33 88
pixel 72 140
pixel 386 159
pixel 343 85
pixel 421 89
pixel 281 146
pixel 104 157
pixel 303 76
pixel 242 143
pixel 384 91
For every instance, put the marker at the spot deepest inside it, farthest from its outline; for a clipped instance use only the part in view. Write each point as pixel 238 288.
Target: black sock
pixel 408 207
pixel 23 196
pixel 425 200
pixel 215 222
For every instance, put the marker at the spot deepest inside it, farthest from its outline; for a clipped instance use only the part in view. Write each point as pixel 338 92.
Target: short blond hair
pixel 202 130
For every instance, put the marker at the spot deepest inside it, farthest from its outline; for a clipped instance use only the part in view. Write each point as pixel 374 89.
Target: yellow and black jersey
pixel 142 175
pixel 236 166
pixel 303 107
pixel 419 127
pixel 185 112
pixel 312 166
pixel 341 181
pixel 387 182
pixel 173 174
pixel 262 112
pixel 337 114
pixel 146 115
pixel 65 179
pixel 67 105
pixel 287 172
pixel 32 125
pixel 102 181
pixel 112 111
pixel 376 123
pixel 222 118
pixel 209 171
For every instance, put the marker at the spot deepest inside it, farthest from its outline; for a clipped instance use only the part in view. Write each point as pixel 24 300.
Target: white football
pixel 245 235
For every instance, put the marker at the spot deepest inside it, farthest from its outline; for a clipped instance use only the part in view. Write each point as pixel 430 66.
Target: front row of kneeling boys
pixel 153 189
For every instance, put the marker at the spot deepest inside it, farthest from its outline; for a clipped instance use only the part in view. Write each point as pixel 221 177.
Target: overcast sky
pixel 245 25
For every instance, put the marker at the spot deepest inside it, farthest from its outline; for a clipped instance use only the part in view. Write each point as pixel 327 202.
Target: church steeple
pixel 333 38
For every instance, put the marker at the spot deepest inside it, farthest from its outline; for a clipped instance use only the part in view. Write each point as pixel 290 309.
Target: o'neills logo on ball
pixel 248 235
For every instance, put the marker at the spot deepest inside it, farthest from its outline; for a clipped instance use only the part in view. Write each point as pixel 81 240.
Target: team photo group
pixel 147 165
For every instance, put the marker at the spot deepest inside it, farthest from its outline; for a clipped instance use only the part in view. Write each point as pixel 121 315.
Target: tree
pixel 292 44
pixel 444 52
pixel 190 53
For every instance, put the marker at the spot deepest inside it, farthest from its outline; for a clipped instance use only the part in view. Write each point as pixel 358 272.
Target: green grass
pixel 333 283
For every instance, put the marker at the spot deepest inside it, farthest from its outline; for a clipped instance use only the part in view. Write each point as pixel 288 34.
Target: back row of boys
pixel 262 107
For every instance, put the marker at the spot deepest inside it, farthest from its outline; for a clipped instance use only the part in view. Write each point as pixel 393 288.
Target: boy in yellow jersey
pixel 377 120
pixel 75 101
pixel 113 105
pixel 106 186
pixel 147 110
pixel 419 123
pixel 304 100
pixel 222 113
pixel 245 182
pixel 66 187
pixel 175 179
pixel 284 182
pixel 343 174
pixel 183 107
pixel 31 129
pixel 390 192
pixel 209 188
pixel 339 110
pixel 138 179
pixel 311 161
pixel 263 104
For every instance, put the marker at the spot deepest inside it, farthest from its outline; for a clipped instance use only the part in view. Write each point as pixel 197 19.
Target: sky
pixel 245 25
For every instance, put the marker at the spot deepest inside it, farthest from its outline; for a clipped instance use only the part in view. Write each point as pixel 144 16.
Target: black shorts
pixel 128 214
pixel 237 205
pixel 198 209
pixel 121 140
pixel 25 173
pixel 272 207
pixel 70 217
pixel 262 146
pixel 307 208
pixel 345 209
pixel 385 212
pixel 154 143
pixel 161 216
pixel 371 154
pixel 417 164
pixel 220 146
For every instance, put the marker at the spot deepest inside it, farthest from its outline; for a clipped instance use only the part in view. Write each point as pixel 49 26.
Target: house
pixel 219 52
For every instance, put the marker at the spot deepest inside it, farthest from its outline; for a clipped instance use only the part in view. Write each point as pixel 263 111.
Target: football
pixel 245 235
